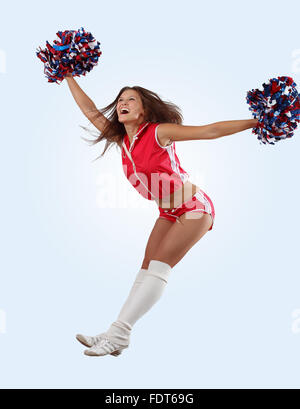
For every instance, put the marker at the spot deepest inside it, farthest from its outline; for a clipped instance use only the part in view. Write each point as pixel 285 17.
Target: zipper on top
pixel 136 136
pixel 134 170
pixel 132 143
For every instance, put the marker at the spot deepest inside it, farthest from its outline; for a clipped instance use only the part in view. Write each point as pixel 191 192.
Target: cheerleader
pixel 146 129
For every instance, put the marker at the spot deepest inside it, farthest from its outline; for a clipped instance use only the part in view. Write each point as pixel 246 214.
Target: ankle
pixel 119 332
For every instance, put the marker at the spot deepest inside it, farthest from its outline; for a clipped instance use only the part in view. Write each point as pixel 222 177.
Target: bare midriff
pixel 180 196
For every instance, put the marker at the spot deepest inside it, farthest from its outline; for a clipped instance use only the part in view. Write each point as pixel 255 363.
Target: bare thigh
pixel 159 231
pixel 181 237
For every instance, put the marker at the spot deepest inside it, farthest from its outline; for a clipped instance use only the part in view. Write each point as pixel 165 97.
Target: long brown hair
pixel 156 110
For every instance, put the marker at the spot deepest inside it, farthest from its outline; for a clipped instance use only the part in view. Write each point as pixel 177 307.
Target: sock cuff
pixel 122 324
pixel 119 332
pixel 140 275
pixel 159 269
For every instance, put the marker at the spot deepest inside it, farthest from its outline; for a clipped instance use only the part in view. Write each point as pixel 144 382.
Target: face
pixel 131 100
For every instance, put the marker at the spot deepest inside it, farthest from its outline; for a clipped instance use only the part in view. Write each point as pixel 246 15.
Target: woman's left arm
pixel 176 133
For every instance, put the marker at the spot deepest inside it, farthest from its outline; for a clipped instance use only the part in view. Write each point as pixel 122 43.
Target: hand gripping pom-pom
pixel 76 52
pixel 277 109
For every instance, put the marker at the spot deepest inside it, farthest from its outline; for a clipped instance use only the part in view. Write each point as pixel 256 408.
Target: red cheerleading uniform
pixel 155 171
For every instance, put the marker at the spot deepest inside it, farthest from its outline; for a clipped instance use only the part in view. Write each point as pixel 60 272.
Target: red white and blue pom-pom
pixel 277 109
pixel 76 52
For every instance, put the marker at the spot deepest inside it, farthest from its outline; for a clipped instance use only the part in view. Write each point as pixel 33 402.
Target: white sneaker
pixel 89 341
pixel 105 347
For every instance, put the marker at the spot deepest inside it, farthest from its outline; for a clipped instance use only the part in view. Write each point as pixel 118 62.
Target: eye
pixel 121 99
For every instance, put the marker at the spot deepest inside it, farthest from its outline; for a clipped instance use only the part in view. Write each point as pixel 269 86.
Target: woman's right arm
pixel 86 105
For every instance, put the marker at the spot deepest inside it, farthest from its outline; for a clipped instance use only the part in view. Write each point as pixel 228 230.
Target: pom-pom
pixel 76 52
pixel 277 109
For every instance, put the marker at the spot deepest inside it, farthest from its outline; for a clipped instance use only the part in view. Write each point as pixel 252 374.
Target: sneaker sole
pixel 115 353
pixel 82 341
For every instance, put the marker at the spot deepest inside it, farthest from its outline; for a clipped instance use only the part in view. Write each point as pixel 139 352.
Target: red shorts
pixel 200 202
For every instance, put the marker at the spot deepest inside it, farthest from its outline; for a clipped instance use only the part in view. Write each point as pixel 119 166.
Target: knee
pixel 146 262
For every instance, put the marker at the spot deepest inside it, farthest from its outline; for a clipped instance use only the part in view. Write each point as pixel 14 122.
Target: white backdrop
pixel 229 316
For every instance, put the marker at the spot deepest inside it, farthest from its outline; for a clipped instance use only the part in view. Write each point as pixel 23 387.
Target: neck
pixel 132 128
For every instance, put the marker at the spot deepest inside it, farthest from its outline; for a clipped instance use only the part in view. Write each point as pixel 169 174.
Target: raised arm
pixel 86 105
pixel 176 133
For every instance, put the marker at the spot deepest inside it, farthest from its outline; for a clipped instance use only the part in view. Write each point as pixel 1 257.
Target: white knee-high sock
pixel 137 282
pixel 119 331
pixel 141 301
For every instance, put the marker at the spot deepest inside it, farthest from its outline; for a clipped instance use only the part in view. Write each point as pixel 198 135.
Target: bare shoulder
pixel 176 132
pixel 164 133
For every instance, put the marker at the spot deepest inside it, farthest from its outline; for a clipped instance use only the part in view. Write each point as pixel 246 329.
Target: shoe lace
pixel 107 344
pixel 104 341
pixel 99 338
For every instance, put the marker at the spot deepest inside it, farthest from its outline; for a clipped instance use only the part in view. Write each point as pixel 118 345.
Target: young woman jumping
pixel 146 128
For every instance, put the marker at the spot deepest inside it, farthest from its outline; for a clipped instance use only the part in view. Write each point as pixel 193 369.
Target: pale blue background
pixel 67 264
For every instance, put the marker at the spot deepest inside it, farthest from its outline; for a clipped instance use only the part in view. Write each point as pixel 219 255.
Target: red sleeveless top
pixel 153 170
